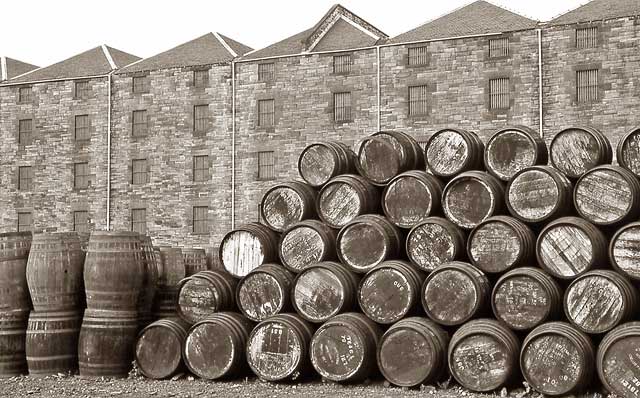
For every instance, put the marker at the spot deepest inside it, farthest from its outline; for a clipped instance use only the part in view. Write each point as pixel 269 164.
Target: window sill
pixel 417 66
pixel 341 122
pixel 24 103
pixel 201 233
pixel 423 116
pixel 340 73
pixel 500 58
pixel 262 179
pixel 136 136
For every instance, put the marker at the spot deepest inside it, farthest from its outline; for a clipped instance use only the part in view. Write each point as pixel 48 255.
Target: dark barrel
pixel 390 291
pixel 14 253
pixel 113 271
pixel 205 293
pixel 526 297
pixel 608 195
pixel 617 360
pixel 576 150
pixel 171 265
pixel 411 197
pixel 500 243
pixel 150 278
pixel 278 348
pixel 344 198
pixel 158 351
pixel 413 351
pixel 321 161
pixel 215 346
pixel 624 251
pixel 13 330
pixel 324 290
pixel 287 203
pixel 367 241
pixel 570 246
pixel 264 292
pixel 557 359
pixel 248 247
pixel 106 343
pixel 433 242
pixel 483 355
pixel 598 301
pixel 306 243
pixel 472 197
pixel 628 151
pixel 454 293
pixel 385 154
pixel 452 151
pixel 52 342
pixel 344 348
pixel 195 260
pixel 512 149
pixel 538 194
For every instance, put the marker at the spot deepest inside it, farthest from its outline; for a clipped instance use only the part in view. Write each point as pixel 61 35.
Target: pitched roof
pixel 212 48
pixel 10 68
pixel 477 18
pixel 338 29
pixel 599 10
pixel 95 62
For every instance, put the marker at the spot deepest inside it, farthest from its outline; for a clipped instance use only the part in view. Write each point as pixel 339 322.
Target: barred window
pixel 139 173
pixel 82 89
pixel 587 37
pixel 200 118
pixel 25 129
pixel 200 168
pixel 200 219
pixel 82 128
pixel 266 165
pixel 587 85
pixel 499 47
pixel 81 175
pixel 342 107
pixel 418 56
pixel 25 178
pixel 418 100
pixel 342 64
pixel 499 93
pixel 201 78
pixel 140 84
pixel 81 221
pixel 139 220
pixel 139 123
pixel 266 113
pixel 266 72
pixel 24 94
pixel 25 221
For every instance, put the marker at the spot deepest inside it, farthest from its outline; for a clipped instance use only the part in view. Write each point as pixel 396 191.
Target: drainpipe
pixel 108 215
pixel 540 85
pixel 233 144
pixel 378 90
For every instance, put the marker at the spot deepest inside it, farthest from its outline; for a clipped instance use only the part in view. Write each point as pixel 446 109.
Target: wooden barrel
pixel 576 150
pixel 512 149
pixel 344 348
pixel 472 197
pixel 526 297
pixel 171 266
pixel 557 359
pixel 538 194
pixel 305 243
pixel 608 195
pixel 454 293
pixel 113 271
pixel 344 198
pixel 411 197
pixel 324 290
pixel 278 348
pixel 205 293
pixel 433 242
pixel 195 260
pixel 617 360
pixel 51 343
pixel 264 292
pixel 14 253
pixel 570 246
pixel 215 346
pixel 321 161
pixel 390 291
pixel 247 248
pixel 287 203
pixel 367 241
pixel 149 286
pixel 628 151
pixel 624 251
pixel 158 351
pixel 13 330
pixel 106 343
pixel 453 151
pixel 598 301
pixel 413 351
pixel 386 154
pixel 500 243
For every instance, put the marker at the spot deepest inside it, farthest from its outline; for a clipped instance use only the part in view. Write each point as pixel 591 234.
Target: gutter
pixel 540 85
pixel 233 144
pixel 62 79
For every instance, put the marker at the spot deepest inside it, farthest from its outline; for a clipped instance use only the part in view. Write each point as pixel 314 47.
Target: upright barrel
pixel 386 154
pixel 512 149
pixel 452 151
pixel 195 260
pixel 158 350
pixel 14 253
pixel 287 203
pixel 205 293
pixel 264 292
pixel 344 198
pixel 248 247
pixel 13 330
pixel 305 243
pixel 52 342
pixel 433 242
pixel 472 197
pixel 172 272
pixel 150 278
pixel 411 197
pixel 321 161
pixel 576 150
pixel 617 360
pixel 624 251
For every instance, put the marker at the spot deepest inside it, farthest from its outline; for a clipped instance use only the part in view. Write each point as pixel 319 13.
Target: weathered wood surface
pixel 286 204
pixel 14 252
pixel 321 161
pixel 452 151
pixel 248 247
pixel 195 260
pixel 629 152
pixel 618 360
pixel 158 351
pixel 264 292
pixel 150 278
pixel 386 154
pixel 173 270
pixel 51 344
pixel 624 251
pixel 307 243
pixel 513 149
pixel 13 330
pixel 576 150
pixel 344 198
pixel 471 198
pixel 433 242
pixel 538 193
pixel 205 293
pixel 500 243
pixel 411 197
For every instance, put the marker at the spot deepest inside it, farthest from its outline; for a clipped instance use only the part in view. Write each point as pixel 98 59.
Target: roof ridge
pixel 443 15
pixel 107 55
pixel 512 10
pixel 26 73
pixel 224 44
pixel 3 68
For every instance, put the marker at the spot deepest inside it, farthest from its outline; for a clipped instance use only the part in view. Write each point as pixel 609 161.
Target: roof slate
pixel 15 68
pixel 599 10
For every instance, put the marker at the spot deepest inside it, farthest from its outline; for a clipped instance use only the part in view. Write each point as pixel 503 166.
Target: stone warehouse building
pixel 182 144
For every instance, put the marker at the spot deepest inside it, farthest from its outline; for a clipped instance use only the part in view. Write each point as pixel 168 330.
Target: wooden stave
pixel 49 350
pixel 493 186
pixel 281 276
pixel 178 332
pixel 457 235
pixel 431 184
pixel 620 151
pixel 475 148
pixel 218 281
pixel 611 251
pixel 308 197
pixel 541 154
pixel 14 254
pixel 195 260
pixel 150 278
pixel 268 240
pixel 327 234
pixel 367 193
pixel 604 155
pixel 620 332
pixel 343 157
pixel 13 331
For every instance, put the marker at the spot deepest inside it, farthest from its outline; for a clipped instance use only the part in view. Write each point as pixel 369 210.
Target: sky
pixel 43 32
